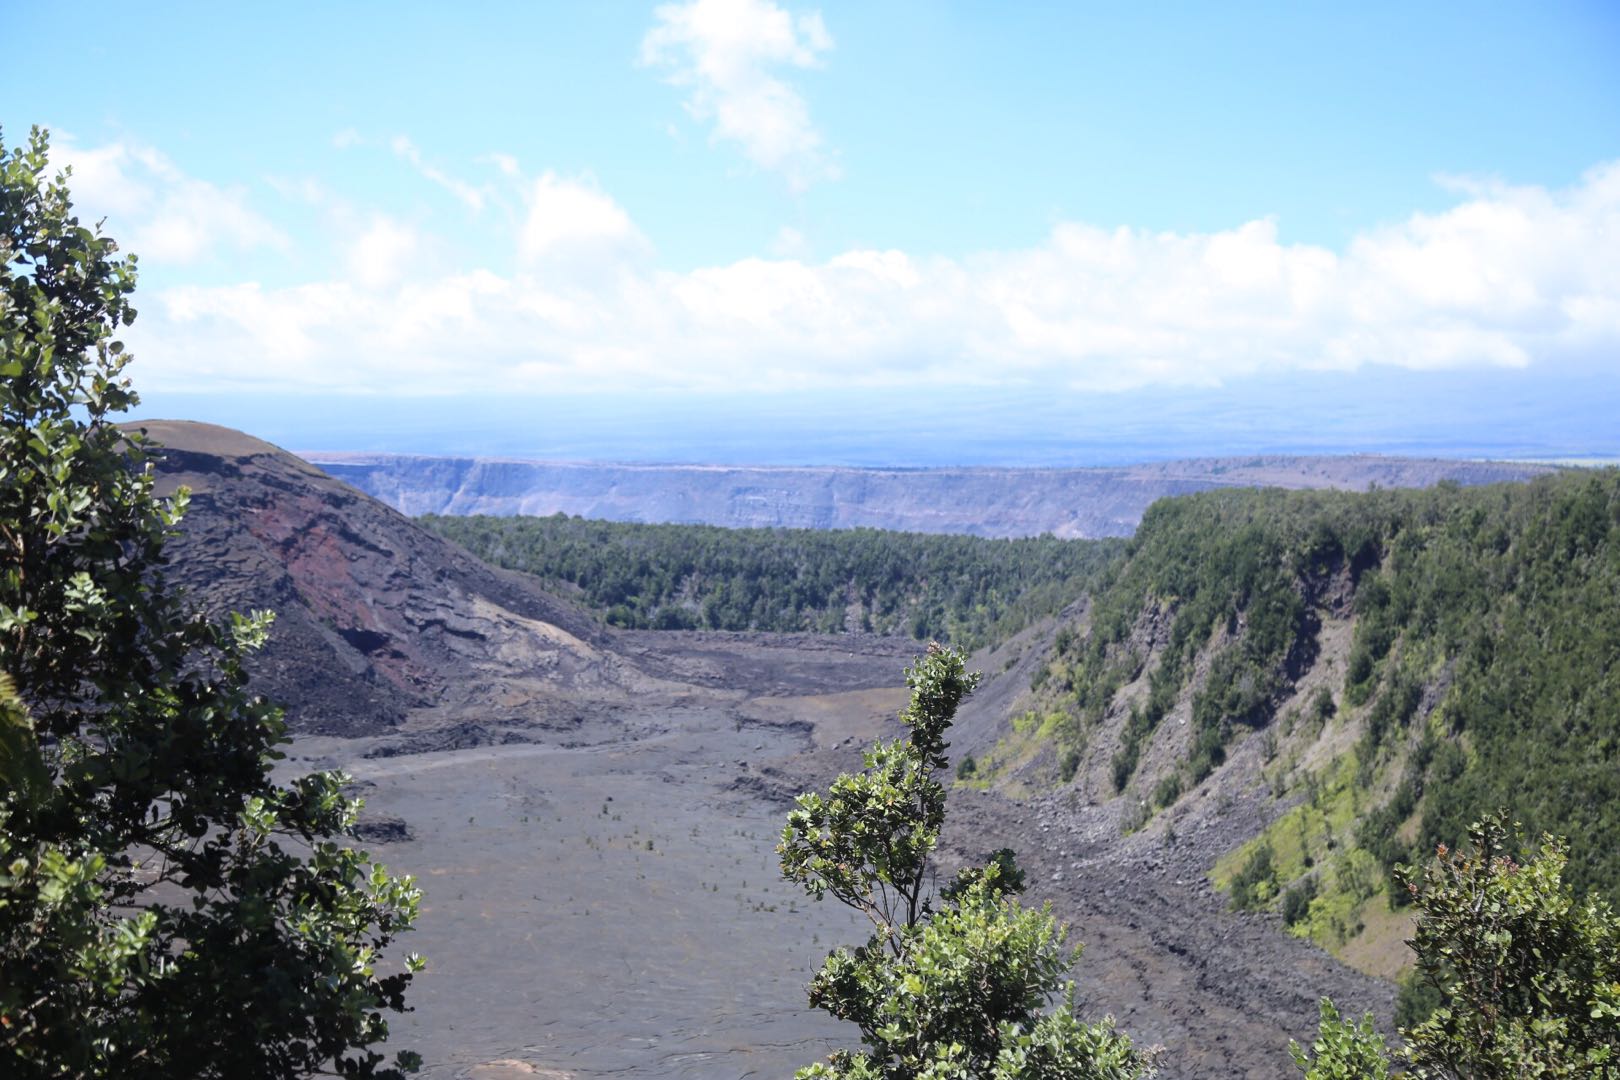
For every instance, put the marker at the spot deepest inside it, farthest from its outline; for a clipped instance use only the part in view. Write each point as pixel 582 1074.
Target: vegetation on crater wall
pixel 1484 669
pixel 1232 572
pixel 967 590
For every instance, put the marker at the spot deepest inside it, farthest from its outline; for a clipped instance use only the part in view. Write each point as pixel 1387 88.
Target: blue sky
pixel 742 228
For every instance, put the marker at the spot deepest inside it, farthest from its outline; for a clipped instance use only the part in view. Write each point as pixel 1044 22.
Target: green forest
pixel 1484 670
pixel 964 590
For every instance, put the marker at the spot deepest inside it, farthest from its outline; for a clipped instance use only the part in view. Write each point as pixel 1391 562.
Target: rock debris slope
pixel 374 616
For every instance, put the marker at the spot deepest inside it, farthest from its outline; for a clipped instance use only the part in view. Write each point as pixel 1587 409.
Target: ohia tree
pixel 948 985
pixel 167 908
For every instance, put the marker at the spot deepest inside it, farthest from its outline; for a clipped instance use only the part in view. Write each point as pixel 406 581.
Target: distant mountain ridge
pixel 993 502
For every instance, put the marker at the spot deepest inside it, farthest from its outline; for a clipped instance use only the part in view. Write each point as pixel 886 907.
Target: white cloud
pixel 723 53
pixel 469 194
pixel 171 217
pixel 506 163
pixel 381 254
pixel 571 221
pixel 1507 276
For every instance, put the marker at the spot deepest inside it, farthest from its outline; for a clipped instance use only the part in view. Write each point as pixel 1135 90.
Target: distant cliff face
pixel 981 502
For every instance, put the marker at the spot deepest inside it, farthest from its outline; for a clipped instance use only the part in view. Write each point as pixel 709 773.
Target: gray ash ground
pixel 1222 992
pixel 602 897
pixel 605 911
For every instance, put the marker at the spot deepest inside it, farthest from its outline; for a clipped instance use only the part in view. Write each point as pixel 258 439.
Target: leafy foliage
pixel 166 909
pixel 1415 1001
pixel 949 986
pixel 963 589
pixel 1255 885
pixel 1526 976
pixel 1343 1050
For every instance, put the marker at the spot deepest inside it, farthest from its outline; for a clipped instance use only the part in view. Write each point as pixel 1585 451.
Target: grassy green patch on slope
pixel 1325 885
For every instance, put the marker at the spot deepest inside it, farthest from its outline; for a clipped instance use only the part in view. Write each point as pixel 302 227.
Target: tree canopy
pixel 167 908
pixel 1527 974
pixel 950 985
pixel 965 590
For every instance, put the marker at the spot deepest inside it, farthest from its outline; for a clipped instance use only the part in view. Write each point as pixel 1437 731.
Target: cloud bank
pixel 1507 276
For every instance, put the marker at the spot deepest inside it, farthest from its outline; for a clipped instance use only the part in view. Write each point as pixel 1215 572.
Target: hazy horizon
pixel 1506 416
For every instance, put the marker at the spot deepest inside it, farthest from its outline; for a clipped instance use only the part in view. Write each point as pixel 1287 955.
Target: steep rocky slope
pixel 374 616
pixel 980 502
pixel 1316 687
